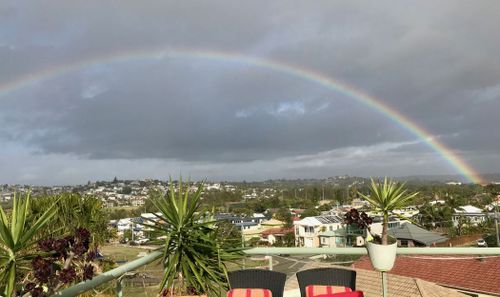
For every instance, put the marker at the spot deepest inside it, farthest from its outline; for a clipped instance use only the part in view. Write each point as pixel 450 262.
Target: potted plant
pixel 385 197
pixel 194 253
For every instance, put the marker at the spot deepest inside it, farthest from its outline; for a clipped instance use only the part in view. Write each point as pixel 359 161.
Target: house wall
pixel 308 236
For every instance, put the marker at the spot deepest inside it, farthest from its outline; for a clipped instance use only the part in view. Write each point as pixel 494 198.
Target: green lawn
pixel 121 253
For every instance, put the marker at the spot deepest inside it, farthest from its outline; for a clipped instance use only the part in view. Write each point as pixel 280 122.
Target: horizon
pixel 444 178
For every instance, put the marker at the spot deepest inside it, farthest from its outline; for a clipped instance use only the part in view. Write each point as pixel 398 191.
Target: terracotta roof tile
pixel 370 282
pixel 481 275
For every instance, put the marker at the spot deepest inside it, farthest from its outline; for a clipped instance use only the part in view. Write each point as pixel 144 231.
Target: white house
pixel 124 224
pixel 470 213
pixel 307 230
pixel 407 212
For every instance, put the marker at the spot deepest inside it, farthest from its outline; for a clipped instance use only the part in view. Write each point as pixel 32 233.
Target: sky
pixel 69 115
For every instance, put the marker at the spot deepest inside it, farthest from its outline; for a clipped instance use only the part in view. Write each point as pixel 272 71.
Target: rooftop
pixel 370 283
pixel 320 220
pixel 465 272
pixel 415 233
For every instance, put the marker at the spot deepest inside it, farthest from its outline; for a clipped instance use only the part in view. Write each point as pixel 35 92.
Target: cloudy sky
pixel 77 104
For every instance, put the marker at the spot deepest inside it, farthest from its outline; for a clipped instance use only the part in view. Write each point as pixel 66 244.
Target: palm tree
pixel 385 197
pixel 195 253
pixel 16 241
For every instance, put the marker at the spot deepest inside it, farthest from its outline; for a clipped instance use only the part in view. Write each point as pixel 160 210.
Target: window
pixel 393 225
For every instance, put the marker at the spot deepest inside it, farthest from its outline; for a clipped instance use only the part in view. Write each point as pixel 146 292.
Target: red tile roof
pixel 481 275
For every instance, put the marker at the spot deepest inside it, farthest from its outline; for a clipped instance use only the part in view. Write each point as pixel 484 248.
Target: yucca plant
pixel 16 242
pixel 194 255
pixel 74 211
pixel 385 197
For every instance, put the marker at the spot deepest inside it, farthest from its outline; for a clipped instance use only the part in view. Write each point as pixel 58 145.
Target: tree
pixel 126 190
pixel 285 216
pixel 340 195
pixel 385 197
pixel 74 211
pixel 289 239
pixel 310 212
pixel 194 254
pixel 230 232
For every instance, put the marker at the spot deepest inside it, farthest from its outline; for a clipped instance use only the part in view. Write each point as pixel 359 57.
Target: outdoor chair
pixel 258 278
pixel 326 277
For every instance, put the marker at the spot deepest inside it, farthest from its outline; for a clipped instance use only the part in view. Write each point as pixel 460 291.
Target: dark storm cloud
pixel 434 62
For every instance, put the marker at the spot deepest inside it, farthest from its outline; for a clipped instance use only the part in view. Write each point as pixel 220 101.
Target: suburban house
pixel 407 212
pixel 257 231
pixel 336 238
pixel 256 218
pixel 272 235
pixel 307 230
pixel 410 235
pixel 469 214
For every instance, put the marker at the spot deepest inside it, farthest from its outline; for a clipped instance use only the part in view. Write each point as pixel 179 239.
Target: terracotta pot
pixel 382 256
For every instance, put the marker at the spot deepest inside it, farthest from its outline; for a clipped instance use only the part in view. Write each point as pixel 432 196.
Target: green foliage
pixel 74 211
pixel 16 240
pixel 194 255
pixel 230 232
pixel 252 242
pixel 126 190
pixel 490 239
pixel 288 240
pixel 310 212
pixel 285 216
pixel 435 216
pixel 127 235
pixel 385 197
pixel 325 207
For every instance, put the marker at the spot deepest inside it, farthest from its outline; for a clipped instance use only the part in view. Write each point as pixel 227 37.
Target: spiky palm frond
pixel 16 238
pixel 194 256
pixel 385 197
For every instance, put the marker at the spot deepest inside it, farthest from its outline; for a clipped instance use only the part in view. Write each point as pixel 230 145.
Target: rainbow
pixel 302 73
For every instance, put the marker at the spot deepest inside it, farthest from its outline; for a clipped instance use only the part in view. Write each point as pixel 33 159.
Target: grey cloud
pixel 434 62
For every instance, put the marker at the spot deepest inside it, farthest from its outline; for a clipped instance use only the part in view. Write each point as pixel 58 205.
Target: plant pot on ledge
pixel 382 256
pixel 385 197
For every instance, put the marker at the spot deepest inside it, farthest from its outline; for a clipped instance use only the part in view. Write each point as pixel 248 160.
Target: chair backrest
pixel 258 278
pixel 326 277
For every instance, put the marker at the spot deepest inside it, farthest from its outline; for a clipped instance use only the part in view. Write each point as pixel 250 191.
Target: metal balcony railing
pixel 117 273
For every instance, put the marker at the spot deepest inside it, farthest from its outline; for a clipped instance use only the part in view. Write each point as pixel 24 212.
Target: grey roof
pixel 415 233
pixel 245 224
pixel 331 219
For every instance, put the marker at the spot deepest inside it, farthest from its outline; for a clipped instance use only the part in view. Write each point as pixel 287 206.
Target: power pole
pixel 496 224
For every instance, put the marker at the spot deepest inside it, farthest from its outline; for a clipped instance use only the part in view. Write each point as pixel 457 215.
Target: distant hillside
pixel 488 177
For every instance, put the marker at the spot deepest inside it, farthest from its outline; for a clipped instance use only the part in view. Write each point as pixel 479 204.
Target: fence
pixel 117 273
